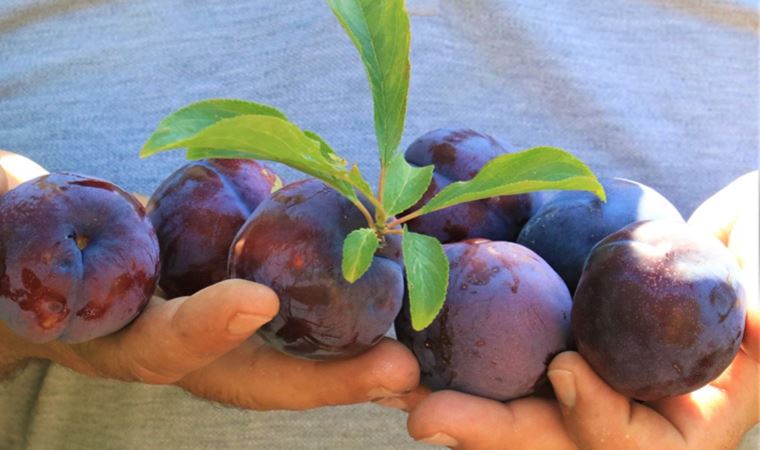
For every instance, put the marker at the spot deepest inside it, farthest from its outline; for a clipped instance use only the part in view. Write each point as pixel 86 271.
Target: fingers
pixel 267 379
pixel 597 417
pixel 724 409
pixel 19 169
pixel 406 402
pixel 172 338
pixel 3 181
pixel 141 198
pixel 462 421
pixel 717 214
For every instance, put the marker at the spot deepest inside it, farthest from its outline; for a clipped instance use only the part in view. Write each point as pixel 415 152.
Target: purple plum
pixel 659 310
pixel 78 258
pixel 506 315
pixel 568 224
pixel 293 243
pixel 458 154
pixel 197 211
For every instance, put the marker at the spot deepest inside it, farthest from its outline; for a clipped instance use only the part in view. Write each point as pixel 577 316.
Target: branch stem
pixel 404 219
pixel 381 184
pixel 365 213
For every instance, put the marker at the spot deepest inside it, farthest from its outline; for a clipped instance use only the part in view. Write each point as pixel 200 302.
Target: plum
pixel 506 315
pixel 197 211
pixel 458 154
pixel 79 258
pixel 293 243
pixel 568 224
pixel 659 310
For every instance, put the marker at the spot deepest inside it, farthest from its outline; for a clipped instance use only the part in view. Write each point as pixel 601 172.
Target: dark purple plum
pixel 569 223
pixel 659 309
pixel 458 154
pixel 507 313
pixel 197 211
pixel 293 243
pixel 78 258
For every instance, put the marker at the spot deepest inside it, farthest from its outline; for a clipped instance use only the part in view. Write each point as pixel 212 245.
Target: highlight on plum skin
pixel 659 310
pixel 78 258
pixel 506 315
pixel 565 228
pixel 293 243
pixel 458 154
pixel 197 211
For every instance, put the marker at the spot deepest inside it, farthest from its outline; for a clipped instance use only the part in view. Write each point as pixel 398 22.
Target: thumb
pixel 597 416
pixel 173 338
pixel 18 169
pixel 3 181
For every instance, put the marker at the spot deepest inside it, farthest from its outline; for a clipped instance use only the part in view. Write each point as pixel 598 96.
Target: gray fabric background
pixel 661 91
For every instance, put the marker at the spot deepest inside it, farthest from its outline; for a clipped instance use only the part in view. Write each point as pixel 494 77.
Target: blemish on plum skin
pixel 121 285
pixel 49 307
pixel 297 261
pixel 443 154
pixel 445 339
pixel 456 232
pixel 93 183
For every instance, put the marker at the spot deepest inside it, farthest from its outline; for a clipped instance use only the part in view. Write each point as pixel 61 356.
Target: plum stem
pixel 404 219
pixel 380 215
pixel 365 213
pixel 381 185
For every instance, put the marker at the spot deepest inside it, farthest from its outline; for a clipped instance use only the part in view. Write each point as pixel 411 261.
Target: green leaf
pixel 190 120
pixel 353 176
pixel 267 138
pixel 358 249
pixel 325 148
pixel 404 185
pixel 427 277
pixel 380 31
pixel 540 168
pixel 357 180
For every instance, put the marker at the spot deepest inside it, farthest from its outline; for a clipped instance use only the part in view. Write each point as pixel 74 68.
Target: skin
pixel 201 342
pixel 589 415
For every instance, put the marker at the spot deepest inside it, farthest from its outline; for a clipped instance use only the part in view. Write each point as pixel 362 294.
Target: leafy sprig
pixel 227 128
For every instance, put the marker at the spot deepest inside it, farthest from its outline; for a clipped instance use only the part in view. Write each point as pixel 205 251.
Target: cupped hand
pixel 16 169
pixel 206 344
pixel 588 414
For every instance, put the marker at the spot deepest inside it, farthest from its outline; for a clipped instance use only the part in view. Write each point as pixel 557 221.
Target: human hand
pixel 16 169
pixel 590 415
pixel 206 344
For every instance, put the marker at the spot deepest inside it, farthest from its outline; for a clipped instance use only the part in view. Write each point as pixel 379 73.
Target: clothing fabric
pixel 664 92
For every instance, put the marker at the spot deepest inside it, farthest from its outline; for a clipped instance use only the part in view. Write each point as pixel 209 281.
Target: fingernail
pixel 242 323
pixel 563 382
pixel 393 402
pixel 440 439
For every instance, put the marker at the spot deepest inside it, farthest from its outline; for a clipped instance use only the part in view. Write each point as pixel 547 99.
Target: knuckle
pixel 140 371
